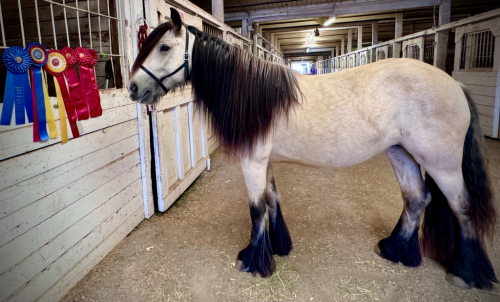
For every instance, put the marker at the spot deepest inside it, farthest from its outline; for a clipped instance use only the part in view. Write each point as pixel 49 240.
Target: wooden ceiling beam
pixel 329 9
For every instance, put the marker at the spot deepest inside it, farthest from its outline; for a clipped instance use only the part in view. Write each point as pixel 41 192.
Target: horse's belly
pixel 331 140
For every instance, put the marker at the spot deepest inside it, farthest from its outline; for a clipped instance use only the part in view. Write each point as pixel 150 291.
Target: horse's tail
pixel 440 228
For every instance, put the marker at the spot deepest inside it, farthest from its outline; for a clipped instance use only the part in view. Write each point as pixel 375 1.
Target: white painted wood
pixel 360 37
pixel 15 250
pixel 158 172
pixel 24 219
pixel 57 291
pixel 20 140
pixel 24 193
pixel 36 262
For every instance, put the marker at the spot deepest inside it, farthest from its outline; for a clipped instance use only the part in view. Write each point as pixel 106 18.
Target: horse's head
pixel 161 65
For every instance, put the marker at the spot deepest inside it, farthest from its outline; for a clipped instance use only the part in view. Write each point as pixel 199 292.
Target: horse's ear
pixel 176 19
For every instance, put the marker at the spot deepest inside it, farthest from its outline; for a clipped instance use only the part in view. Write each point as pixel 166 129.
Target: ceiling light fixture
pixel 307 50
pixel 331 20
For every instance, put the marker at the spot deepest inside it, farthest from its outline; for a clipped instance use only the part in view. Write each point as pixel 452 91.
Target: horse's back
pixel 350 116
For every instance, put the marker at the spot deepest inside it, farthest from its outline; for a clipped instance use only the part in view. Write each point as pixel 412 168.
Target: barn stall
pixel 66 206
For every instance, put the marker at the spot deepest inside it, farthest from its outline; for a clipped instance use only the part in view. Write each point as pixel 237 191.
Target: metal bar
pixel 99 20
pixel 53 25
pixel 1 25
pixel 65 23
pixel 111 41
pixel 78 23
pixel 90 26
pixel 21 21
pixel 80 9
pixel 37 22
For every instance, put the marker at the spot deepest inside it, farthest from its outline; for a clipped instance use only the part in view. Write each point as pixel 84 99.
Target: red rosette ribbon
pixel 56 66
pixel 75 89
pixel 87 58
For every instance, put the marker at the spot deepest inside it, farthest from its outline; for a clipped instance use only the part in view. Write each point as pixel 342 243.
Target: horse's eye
pixel 164 48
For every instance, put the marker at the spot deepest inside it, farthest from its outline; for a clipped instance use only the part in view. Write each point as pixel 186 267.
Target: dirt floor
pixel 335 218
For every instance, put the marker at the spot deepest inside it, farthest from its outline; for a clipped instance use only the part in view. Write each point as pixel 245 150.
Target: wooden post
pixel 349 40
pixel 218 9
pixel 255 39
pixel 342 47
pixel 266 36
pixel 398 33
pixel 441 37
pixel 244 27
pixel 260 33
pixel 374 33
pixel 360 37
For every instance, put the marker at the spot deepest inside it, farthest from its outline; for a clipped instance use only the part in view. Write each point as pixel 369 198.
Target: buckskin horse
pixel 263 113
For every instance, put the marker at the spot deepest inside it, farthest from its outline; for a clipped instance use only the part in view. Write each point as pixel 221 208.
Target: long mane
pixel 242 95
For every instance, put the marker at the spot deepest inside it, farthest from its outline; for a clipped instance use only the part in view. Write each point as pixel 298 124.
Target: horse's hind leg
pixel 257 257
pixel 402 245
pixel 278 231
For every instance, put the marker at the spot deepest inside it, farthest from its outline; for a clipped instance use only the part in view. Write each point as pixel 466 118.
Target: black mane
pixel 242 95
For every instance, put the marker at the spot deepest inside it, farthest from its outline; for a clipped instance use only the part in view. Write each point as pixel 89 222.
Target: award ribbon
pixel 62 114
pixel 96 109
pixel 56 65
pixel 41 104
pixel 17 87
pixel 86 61
pixel 75 89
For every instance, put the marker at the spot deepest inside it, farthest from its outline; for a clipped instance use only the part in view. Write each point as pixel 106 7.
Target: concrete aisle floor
pixel 335 218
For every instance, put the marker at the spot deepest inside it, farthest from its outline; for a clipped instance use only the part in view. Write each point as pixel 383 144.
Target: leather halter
pixel 184 65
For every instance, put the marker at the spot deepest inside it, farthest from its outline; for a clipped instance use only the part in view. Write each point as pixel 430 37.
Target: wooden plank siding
pixel 483 88
pixel 63 207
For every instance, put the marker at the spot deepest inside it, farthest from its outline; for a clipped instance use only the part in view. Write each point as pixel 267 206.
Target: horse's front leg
pixel 257 257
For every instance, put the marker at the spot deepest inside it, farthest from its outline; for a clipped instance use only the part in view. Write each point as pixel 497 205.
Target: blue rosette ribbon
pixel 18 61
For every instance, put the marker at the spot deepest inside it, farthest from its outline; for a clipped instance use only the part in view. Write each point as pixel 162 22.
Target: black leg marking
pixel 397 248
pixel 257 257
pixel 473 266
pixel 278 231
pixel 281 241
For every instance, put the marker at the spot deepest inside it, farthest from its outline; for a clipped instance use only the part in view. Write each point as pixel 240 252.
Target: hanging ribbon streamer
pixel 75 89
pixel 17 88
pixel 40 101
pixel 51 122
pixel 56 65
pixel 84 61
pixel 62 113
pixel 96 110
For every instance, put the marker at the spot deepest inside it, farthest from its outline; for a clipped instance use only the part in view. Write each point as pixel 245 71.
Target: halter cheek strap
pixel 185 65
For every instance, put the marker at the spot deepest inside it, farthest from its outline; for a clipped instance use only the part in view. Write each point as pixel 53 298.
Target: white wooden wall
pixel 63 208
pixel 484 87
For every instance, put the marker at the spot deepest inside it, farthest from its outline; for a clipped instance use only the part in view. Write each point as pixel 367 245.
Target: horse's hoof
pixel 239 265
pixel 457 281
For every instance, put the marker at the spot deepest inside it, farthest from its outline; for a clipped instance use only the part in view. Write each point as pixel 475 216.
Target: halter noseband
pixel 184 65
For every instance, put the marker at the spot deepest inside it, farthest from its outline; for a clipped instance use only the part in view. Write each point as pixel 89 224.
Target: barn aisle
pixel 335 218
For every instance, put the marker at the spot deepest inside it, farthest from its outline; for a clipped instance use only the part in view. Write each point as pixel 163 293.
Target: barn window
pixel 380 55
pixel 477 51
pixel 412 52
pixel 56 24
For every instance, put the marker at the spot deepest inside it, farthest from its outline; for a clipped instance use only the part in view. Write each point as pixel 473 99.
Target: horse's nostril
pixel 133 88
